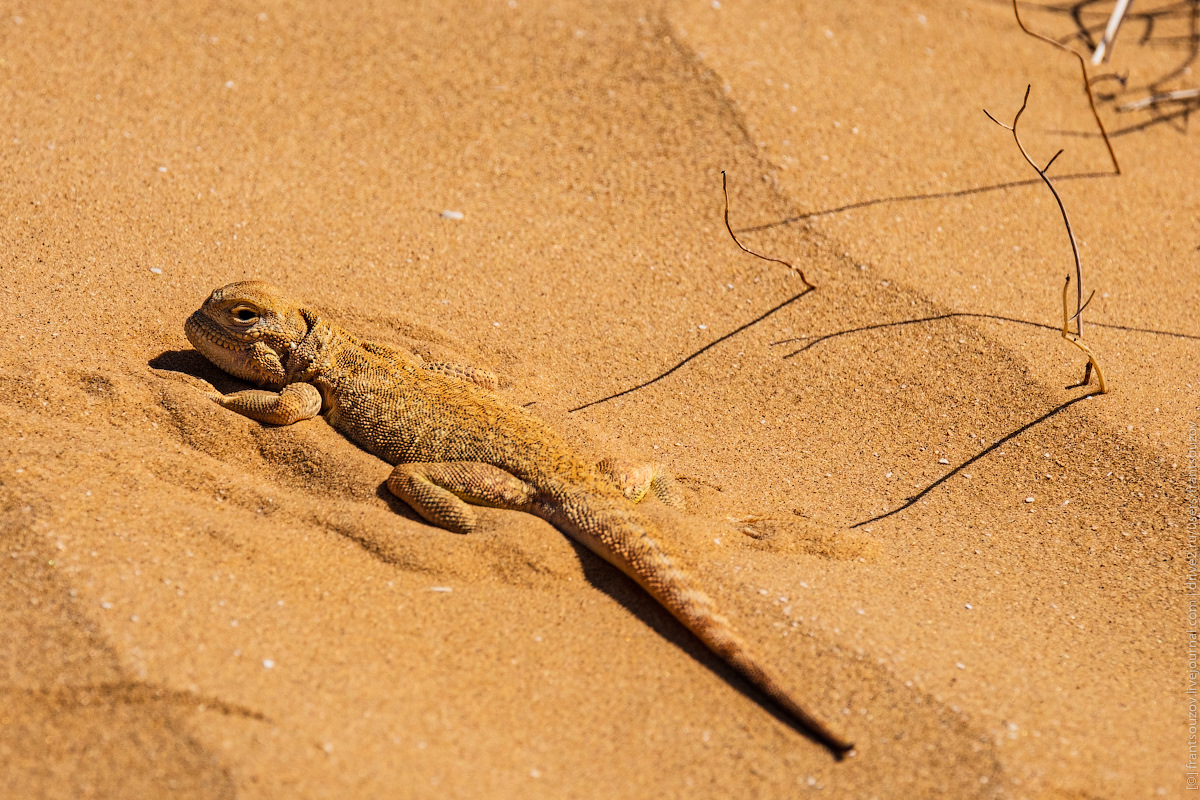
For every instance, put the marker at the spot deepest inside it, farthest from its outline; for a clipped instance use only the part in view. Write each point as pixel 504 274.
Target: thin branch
pixel 1041 171
pixel 1086 303
pixel 1087 84
pixel 729 228
pixel 1051 161
pixel 1080 305
pixel 1104 49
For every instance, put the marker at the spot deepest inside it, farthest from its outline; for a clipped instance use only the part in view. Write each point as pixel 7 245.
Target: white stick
pixel 1103 50
pixel 1165 97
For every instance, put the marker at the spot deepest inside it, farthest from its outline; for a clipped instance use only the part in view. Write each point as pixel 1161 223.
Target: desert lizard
pixel 453 443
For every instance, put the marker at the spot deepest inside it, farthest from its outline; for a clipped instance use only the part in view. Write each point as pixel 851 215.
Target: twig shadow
pixel 911 501
pixel 951 315
pixel 697 353
pixel 908 198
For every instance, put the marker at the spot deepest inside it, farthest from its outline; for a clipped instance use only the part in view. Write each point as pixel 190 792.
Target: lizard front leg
pixel 297 401
pixel 440 492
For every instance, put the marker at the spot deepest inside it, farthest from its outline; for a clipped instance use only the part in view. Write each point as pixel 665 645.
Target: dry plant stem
pixel 1041 171
pixel 1092 362
pixel 1104 49
pixel 1080 305
pixel 1164 97
pixel 1087 85
pixel 728 227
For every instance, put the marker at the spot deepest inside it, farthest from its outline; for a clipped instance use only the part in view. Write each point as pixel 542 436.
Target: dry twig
pixel 1178 96
pixel 1092 362
pixel 1104 49
pixel 729 228
pixel 1080 305
pixel 1087 85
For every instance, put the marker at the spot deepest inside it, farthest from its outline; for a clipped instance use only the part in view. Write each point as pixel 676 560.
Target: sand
pixel 974 568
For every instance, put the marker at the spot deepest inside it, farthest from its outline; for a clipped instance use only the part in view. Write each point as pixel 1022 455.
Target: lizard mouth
pixel 206 335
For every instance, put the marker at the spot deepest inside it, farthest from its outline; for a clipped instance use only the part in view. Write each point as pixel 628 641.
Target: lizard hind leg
pixel 441 492
pixel 637 480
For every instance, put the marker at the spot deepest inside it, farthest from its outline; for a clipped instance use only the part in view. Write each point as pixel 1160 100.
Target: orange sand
pixel 198 606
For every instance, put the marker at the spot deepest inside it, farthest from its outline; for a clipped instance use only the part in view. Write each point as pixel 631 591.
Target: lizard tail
pixel 629 541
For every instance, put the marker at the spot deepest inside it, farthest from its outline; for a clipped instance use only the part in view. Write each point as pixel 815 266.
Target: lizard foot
pixel 441 492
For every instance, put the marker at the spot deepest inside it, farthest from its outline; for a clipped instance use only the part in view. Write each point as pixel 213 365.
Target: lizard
pixel 454 443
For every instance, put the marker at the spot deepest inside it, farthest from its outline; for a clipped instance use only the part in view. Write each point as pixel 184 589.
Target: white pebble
pixel 440 589
pixel 1028 499
pixel 961 665
pixel 448 214
pixel 943 461
pixel 156 270
pixel 268 663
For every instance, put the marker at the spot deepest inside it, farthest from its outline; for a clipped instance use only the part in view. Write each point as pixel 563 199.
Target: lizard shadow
pixel 190 362
pixel 608 579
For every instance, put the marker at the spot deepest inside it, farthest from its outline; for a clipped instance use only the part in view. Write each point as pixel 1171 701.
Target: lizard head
pixel 248 329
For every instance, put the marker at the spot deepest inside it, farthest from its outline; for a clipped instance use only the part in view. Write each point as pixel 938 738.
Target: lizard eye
pixel 245 315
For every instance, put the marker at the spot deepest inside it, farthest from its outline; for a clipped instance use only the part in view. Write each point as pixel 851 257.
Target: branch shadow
pixel 953 314
pixel 911 501
pixel 1182 114
pixel 696 354
pixel 908 198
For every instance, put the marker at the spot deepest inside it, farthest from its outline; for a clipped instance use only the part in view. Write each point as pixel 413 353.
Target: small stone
pixel 448 214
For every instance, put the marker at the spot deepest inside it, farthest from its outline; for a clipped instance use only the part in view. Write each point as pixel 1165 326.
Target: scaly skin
pixel 454 443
